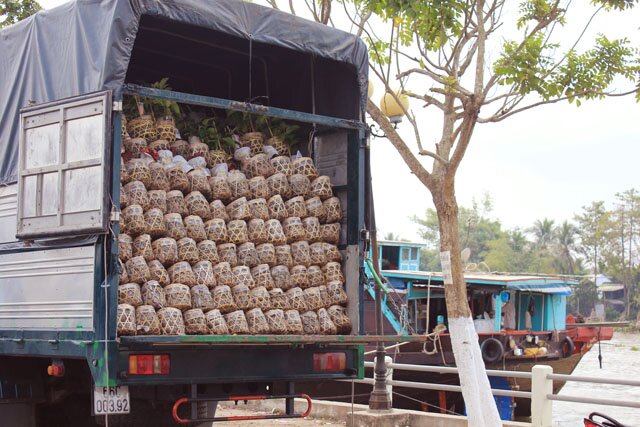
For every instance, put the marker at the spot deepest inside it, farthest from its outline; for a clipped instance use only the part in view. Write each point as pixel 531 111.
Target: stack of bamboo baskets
pixel 221 246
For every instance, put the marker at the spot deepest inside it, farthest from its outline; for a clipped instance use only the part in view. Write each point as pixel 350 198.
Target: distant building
pixel 399 255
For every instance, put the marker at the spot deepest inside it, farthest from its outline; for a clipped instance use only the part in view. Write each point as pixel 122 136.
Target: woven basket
pixel 216 323
pixel 253 140
pixel 259 298
pixel 340 319
pixel 266 253
pixel 330 233
pixel 122 271
pixel 247 254
pixel 201 297
pixel 142 247
pixel 277 208
pixel 275 234
pixel 137 194
pixel 296 207
pixel 153 294
pixel 181 272
pixel 237 322
pixel 294 229
pixel 203 271
pixel 299 276
pixel 279 185
pixel 154 218
pixel 276 320
pixel 299 185
pixel 223 299
pixel 133 218
pixel 239 209
pixel 281 277
pixel 208 251
pixel 124 199
pixel 159 273
pixel 312 228
pixel 216 230
pixel 126 320
pixel 327 327
pixel 178 296
pixel 200 182
pixel 297 300
pixel 259 209
pixel 279 145
pixel 259 188
pixel 227 253
pixel 223 274
pixel 176 203
pixel 310 323
pixel 165 250
pixel 142 127
pixel 178 179
pixel 194 322
pixel 315 275
pixel 218 210
pixel 282 164
pixel 125 248
pixel 159 145
pixel 180 148
pixel 332 252
pixel 158 200
pixel 171 322
pixel 279 299
pixel 215 157
pixel 129 293
pixel 293 322
pixel 304 166
pixel 195 228
pixel 198 205
pixel 316 208
pixel 300 253
pixel 262 276
pixel 124 175
pixel 198 149
pixel 283 255
pixel 321 187
pixel 242 276
pixel 238 185
pixel 337 294
pixel 258 165
pixel 166 128
pixel 188 251
pixel 241 296
pixel 317 255
pixel 333 210
pixel 159 179
pixel 137 270
pixel 257 231
pixel 135 146
pixel 313 298
pixel 147 322
pixel 257 322
pixel 219 188
pixel 332 272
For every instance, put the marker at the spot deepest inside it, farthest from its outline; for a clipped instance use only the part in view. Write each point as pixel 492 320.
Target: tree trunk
pixel 476 390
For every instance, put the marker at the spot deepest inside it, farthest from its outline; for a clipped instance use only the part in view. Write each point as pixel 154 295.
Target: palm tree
pixel 543 232
pixel 566 238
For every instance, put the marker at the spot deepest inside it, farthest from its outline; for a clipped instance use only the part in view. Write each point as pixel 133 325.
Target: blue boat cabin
pixel 398 255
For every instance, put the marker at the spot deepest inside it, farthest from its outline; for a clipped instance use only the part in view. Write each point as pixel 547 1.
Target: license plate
pixel 111 400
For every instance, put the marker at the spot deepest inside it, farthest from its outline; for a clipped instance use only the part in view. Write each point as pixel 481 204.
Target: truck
pixel 63 78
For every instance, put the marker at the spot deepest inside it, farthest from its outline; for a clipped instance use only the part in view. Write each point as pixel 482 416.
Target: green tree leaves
pixel 12 11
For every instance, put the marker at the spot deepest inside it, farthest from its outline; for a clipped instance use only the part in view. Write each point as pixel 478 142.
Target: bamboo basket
pixel 219 187
pixel 324 294
pixel 247 254
pixel 281 277
pixel 153 295
pixel 165 250
pixel 239 209
pixel 223 299
pixel 200 182
pixel 337 294
pixel 253 140
pixel 279 185
pixel 259 188
pixel 299 276
pixel 178 179
pixel 195 228
pixel 126 320
pixel 312 228
pixel 180 148
pixel 133 218
pixel 259 209
pixel 242 276
pixel 178 296
pixel 321 187
pixel 147 322
pixel 125 248
pixel 223 274
pixel 327 327
pixel 293 322
pixel 257 322
pixel 330 233
pixel 299 185
pixel 218 210
pixel 166 128
pixel 176 203
pixel 313 298
pixel 310 323
pixel 317 255
pixel 277 208
pixel 171 322
pixel 300 253
pixel 137 194
pixel 276 321
pixel 279 299
pixel 241 296
pixel 304 166
pixel 159 273
pixel 187 250
pixel 262 276
pixel 332 252
pixel 237 230
pixel 198 149
pixel 194 322
pixel 122 271
pixel 297 299
pixel 340 319
pixel 296 207
pixel 257 165
pixel 282 164
pixel 142 247
pixel 333 210
pixel 159 179
pixel 208 251
pixel 316 208
pixel 181 272
pixel 266 254
pixel 275 234
pixel 238 185
pixel 315 275
pixel 135 146
pixel 137 270
pixel 294 229
pixel 283 255
pixel 203 272
pixel 201 297
pixel 142 127
pixel 216 230
pixel 198 205
pixel 237 322
pixel 124 199
pixel 216 157
pixel 280 146
pixel 259 298
pixel 158 200
pixel 215 323
pixel 227 253
pixel 257 231
pixel 333 272
pixel 129 293
pixel 155 222
pixel 159 145
pixel 124 175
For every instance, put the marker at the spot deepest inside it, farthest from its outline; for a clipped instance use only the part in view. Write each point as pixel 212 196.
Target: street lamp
pixel 391 108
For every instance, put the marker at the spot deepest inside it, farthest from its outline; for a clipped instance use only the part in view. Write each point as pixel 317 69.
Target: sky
pixel 543 163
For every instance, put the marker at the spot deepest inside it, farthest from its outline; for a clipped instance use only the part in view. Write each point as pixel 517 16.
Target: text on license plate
pixel 111 400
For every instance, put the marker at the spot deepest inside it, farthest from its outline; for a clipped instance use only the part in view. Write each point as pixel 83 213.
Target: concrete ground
pixel 242 410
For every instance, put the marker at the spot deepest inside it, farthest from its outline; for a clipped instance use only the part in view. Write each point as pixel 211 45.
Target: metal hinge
pixel 117 105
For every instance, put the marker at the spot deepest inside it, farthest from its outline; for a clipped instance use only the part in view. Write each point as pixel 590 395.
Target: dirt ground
pixel 307 422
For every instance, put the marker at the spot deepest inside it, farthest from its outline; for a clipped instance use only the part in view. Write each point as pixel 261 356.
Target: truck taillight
pixel 149 364
pixel 329 361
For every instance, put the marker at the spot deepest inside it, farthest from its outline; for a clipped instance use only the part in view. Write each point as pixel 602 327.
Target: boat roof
pixel 401 243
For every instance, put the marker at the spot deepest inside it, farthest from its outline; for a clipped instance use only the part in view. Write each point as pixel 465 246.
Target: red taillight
pixel 149 364
pixel 329 362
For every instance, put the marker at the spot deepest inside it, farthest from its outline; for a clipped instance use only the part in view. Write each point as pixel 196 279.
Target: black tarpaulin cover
pixel 85 46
